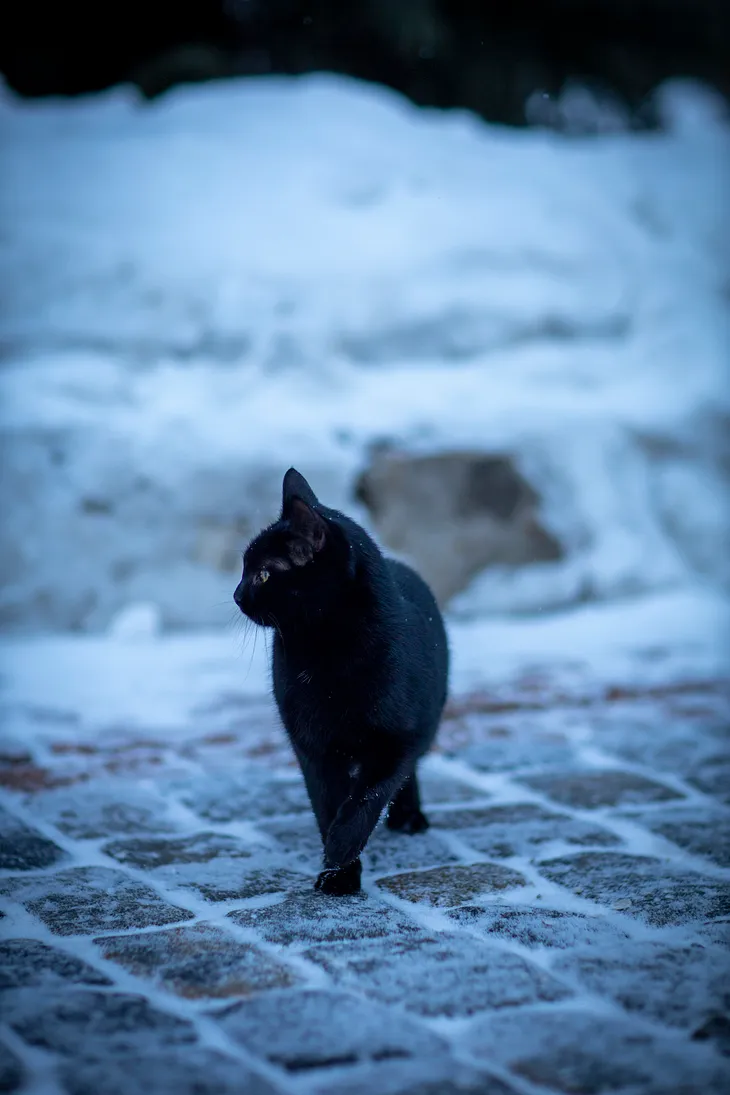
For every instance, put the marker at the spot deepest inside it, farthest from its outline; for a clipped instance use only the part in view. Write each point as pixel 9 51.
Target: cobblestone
pixel 539 927
pixel 82 900
pixel 197 962
pixel 304 917
pixel 587 789
pixel 301 1031
pixel 23 848
pixel 442 975
pixel 520 829
pixel 516 946
pixel 12 1073
pixel 647 888
pixel 186 1070
pixel 582 1054
pixel 447 886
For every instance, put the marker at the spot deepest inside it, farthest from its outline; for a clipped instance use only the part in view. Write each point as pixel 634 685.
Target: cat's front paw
pixel 339 881
pixel 415 822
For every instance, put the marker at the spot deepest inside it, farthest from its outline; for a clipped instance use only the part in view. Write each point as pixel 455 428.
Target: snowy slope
pixel 202 291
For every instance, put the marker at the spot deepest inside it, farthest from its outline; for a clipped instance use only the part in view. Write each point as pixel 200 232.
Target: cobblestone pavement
pixel 563 926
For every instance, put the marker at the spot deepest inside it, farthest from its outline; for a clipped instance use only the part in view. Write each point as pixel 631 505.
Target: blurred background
pixel 466 265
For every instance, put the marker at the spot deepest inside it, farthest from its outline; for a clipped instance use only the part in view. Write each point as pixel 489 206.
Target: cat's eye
pixel 262 576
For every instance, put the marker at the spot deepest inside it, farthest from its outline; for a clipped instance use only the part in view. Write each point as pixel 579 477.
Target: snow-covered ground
pixel 199 292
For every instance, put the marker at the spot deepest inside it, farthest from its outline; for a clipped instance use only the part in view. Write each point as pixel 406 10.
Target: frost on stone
pixel 585 788
pixel 97 1023
pixel 426 1076
pixel 448 886
pixel 161 852
pixel 83 900
pixel 661 893
pixel 222 797
pixel 536 927
pixel 314 1029
pixel 29 963
pixel 520 828
pixel 196 962
pixel 441 975
pixel 183 1070
pixel 680 986
pixel 110 808
pixel 12 1073
pixel 700 830
pixel 577 1053
pixel 388 851
pixel 311 917
pixel 23 848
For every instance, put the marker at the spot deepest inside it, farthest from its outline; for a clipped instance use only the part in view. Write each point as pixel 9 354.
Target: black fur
pixel 360 668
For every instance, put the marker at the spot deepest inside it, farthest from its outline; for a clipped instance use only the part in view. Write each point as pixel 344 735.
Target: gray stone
pixel 520 828
pixel 97 1023
pixel 218 866
pixel 437 788
pixel 443 975
pixel 161 851
pixel 695 749
pixel 12 1073
pixel 536 927
pixel 715 1029
pixel 310 917
pixel 29 963
pixel 245 797
pixel 23 848
pixel 106 809
pixel 681 986
pixel 83 900
pixel 447 886
pixel 428 1076
pixel 701 830
pixel 454 513
pixel 660 893
pixel 575 1052
pixel 587 788
pixel 296 838
pixel 388 851
pixel 319 1029
pixel 186 1070
pixel 503 742
pixel 198 961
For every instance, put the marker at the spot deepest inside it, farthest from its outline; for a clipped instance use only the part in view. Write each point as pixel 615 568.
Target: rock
pixel 520 828
pixel 83 900
pixel 23 848
pixel 12 1073
pixel 197 962
pixel 446 975
pixel 535 927
pixel 574 1052
pixel 97 1023
pixel 677 985
pixel 247 797
pixel 448 886
pixel 662 893
pixel 309 917
pixel 184 1070
pixel 317 1029
pixel 104 809
pixel 588 789
pixel 161 852
pixel 454 513
pixel 29 963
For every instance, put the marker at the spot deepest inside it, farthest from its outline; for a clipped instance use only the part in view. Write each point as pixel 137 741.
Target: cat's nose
pixel 238 594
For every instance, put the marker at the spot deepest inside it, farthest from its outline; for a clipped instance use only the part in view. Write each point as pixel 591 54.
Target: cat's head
pixel 298 567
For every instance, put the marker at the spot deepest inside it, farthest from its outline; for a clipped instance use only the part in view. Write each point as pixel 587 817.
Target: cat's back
pixel 428 620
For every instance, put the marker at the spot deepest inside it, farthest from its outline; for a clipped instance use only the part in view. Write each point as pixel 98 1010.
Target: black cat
pixel 360 669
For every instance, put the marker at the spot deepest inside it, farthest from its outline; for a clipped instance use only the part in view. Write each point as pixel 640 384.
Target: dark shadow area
pixel 489 56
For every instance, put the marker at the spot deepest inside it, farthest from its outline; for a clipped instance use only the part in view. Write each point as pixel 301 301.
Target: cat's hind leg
pixel 404 813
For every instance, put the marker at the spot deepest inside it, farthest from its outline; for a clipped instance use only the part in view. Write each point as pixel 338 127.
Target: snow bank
pixel 202 291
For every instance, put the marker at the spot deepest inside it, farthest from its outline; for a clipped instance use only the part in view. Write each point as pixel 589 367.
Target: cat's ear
pixel 307 526
pixel 296 486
